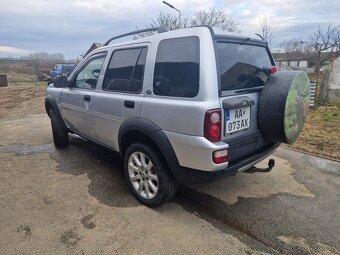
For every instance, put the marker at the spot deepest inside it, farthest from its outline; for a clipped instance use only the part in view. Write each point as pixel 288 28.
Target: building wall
pixel 334 83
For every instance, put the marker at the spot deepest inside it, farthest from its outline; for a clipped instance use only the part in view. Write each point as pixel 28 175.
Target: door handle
pixel 237 102
pixel 87 98
pixel 129 104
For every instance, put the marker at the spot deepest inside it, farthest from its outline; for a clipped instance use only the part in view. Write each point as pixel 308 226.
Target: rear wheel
pixel 148 176
pixel 60 135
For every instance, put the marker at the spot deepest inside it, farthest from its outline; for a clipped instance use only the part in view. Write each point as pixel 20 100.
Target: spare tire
pixel 283 106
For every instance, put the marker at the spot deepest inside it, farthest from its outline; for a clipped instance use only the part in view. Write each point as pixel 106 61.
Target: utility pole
pixel 179 12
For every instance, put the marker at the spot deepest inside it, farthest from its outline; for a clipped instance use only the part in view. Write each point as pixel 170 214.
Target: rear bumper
pixel 175 152
pixel 195 151
pixel 189 175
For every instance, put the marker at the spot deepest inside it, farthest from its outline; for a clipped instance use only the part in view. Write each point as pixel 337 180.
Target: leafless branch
pixel 215 17
pixel 268 28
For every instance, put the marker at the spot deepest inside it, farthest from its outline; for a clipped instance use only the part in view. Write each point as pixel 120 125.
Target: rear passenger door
pixel 121 94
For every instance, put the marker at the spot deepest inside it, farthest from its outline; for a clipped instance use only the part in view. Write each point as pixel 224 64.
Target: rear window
pixel 177 68
pixel 241 65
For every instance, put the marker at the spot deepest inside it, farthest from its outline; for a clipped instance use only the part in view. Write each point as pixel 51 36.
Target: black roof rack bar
pixel 158 29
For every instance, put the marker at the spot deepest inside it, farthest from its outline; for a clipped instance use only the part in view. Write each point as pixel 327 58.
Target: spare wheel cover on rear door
pixel 283 106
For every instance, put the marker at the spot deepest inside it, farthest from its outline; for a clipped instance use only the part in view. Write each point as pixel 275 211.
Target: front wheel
pixel 148 176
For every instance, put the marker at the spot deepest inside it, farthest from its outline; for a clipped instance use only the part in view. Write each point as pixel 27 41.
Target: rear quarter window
pixel 176 71
pixel 240 65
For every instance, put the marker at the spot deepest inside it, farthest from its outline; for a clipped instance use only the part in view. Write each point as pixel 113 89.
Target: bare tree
pixel 44 56
pixel 268 27
pixel 324 45
pixel 292 45
pixel 293 48
pixel 214 17
pixel 169 21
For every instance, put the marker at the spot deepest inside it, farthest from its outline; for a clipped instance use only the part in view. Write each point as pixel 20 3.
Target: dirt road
pixel 76 201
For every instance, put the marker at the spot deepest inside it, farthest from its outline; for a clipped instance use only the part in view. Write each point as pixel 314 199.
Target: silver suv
pixel 179 106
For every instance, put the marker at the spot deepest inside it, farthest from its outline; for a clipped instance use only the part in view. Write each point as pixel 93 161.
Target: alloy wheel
pixel 143 175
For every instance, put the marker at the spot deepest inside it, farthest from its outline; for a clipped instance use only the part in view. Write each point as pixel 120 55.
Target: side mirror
pixel 60 82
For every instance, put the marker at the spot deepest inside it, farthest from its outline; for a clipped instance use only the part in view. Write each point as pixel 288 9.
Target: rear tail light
pixel 212 125
pixel 273 69
pixel 220 157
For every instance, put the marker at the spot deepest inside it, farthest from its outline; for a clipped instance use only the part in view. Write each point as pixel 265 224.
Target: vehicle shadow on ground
pixel 103 167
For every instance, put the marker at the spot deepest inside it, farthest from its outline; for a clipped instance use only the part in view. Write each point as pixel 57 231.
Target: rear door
pixel 243 71
pixel 77 100
pixel 121 94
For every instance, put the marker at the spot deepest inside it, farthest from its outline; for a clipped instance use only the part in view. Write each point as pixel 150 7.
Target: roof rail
pixel 158 29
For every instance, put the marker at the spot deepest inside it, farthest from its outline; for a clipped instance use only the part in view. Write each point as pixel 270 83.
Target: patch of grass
pixel 325 116
pixel 336 114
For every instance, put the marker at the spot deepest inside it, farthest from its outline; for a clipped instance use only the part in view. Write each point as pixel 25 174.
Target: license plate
pixel 237 119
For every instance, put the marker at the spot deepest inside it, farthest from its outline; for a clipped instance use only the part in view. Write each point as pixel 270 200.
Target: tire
pixel 60 135
pixel 283 106
pixel 145 175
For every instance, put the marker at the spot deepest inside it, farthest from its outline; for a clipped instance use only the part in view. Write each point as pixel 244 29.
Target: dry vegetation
pixel 22 98
pixel 321 133
pixel 24 70
pixel 19 77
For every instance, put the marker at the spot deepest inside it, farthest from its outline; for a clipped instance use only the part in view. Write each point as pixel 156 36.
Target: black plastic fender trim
pixel 49 100
pixel 135 124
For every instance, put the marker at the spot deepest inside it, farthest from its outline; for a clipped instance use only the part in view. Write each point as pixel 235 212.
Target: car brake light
pixel 220 157
pixel 212 125
pixel 273 69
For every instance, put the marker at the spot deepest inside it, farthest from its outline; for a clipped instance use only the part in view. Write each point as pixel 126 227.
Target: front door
pixel 77 100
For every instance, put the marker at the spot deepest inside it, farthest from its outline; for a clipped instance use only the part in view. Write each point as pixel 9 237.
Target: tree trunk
pixel 317 71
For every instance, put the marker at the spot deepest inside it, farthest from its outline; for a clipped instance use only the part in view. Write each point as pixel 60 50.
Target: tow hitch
pixel 254 169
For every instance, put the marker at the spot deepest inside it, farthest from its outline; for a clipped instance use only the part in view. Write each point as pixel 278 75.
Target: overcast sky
pixel 71 26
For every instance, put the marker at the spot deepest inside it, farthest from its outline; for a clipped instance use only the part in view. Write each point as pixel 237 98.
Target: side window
pixel 87 78
pixel 177 68
pixel 126 71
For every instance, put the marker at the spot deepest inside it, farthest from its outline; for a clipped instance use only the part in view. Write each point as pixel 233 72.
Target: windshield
pixel 242 65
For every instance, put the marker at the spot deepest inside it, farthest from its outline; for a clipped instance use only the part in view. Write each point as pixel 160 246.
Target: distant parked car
pixel 62 70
